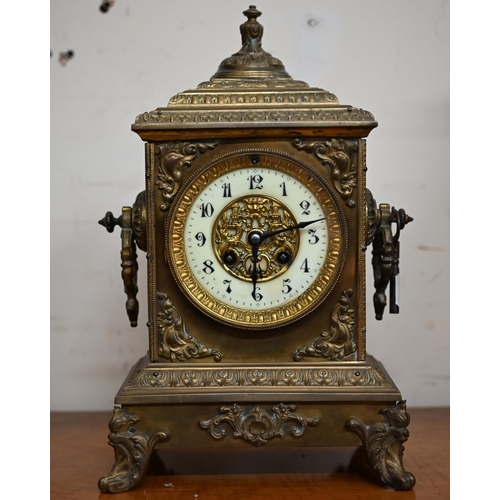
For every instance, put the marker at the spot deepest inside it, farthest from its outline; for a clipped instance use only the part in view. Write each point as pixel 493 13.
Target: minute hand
pixel 290 228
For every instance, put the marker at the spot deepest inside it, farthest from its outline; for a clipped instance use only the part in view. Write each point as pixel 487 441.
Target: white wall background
pixel 390 57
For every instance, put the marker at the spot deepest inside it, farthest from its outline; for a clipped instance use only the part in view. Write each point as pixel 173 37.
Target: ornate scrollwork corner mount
pixel 257 426
pixel 339 155
pixel 383 444
pixel 132 452
pixel 177 344
pixel 172 159
pixel 338 342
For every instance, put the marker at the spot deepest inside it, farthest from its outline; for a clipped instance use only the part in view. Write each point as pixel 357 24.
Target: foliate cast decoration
pixel 187 117
pixel 255 213
pixel 219 83
pixel 338 342
pixel 383 444
pixel 176 343
pixel 339 155
pixel 172 159
pixel 132 452
pixel 259 377
pixel 258 426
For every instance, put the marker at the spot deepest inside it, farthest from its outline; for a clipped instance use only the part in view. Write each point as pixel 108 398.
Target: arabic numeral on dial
pixel 304 205
pixel 207 210
pixel 228 283
pixel 283 185
pixel 227 190
pixel 255 181
pixel 286 286
pixel 208 269
pixel 313 239
pixel 256 295
pixel 305 266
pixel 201 238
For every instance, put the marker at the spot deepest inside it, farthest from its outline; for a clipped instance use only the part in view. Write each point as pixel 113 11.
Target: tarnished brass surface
pixel 257 426
pixel 271 364
pixel 361 253
pixel 132 452
pixel 172 159
pixel 339 156
pixel 233 343
pixel 338 342
pixel 176 343
pixel 380 427
pixel 193 382
pixel 383 443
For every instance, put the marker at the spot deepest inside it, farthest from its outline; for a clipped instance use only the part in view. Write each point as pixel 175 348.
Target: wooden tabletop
pixel 80 456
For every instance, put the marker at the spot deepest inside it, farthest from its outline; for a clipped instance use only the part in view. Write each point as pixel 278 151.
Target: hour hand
pixel 255 273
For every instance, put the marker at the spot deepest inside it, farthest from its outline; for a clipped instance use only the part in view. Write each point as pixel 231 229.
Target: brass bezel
pixel 276 316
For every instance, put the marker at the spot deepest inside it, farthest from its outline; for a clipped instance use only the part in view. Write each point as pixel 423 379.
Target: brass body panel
pixel 238 345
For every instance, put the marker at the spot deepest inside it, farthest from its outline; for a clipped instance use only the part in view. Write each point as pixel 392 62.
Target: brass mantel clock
pixel 255 221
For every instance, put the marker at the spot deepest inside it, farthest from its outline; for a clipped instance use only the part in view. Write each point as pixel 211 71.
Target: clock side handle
pixel 133 235
pixel 385 252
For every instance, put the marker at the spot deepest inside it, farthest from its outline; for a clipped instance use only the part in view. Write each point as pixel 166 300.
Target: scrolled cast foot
pixel 383 444
pixel 132 452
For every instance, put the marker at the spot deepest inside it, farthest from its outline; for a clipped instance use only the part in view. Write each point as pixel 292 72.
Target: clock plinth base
pixel 232 406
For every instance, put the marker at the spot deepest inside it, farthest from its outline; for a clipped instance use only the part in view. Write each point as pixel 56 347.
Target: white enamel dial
pixel 231 248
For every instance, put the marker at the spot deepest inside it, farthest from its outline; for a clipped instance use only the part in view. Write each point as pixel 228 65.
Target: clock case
pixel 205 385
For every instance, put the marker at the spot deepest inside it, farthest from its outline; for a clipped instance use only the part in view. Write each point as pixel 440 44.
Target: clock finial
pixel 251 61
pixel 251 31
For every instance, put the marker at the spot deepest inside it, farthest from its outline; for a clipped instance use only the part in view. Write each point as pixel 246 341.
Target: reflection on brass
pixel 385 259
pixel 339 341
pixel 173 158
pixel 383 444
pixel 132 452
pixel 257 426
pixel 177 344
pixel 251 213
pixel 339 156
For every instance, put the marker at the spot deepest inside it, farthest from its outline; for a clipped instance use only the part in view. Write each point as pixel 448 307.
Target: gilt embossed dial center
pixel 241 224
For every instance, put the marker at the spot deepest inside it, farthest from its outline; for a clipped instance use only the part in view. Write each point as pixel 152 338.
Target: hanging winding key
pixel 132 221
pixel 386 254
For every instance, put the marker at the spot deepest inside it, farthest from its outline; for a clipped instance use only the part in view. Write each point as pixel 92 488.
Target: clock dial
pixel 256 240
